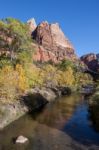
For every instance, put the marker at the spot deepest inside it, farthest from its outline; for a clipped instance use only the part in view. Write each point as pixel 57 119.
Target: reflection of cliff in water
pixel 62 123
pixel 56 114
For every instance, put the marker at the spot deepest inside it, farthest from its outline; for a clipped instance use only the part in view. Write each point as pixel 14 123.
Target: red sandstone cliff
pixel 52 43
pixel 92 61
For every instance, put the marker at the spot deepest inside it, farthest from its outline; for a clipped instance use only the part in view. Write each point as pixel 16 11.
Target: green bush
pixel 65 63
pixel 17 37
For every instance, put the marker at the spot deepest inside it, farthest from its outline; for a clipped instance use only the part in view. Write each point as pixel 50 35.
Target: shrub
pixel 24 57
pixel 65 63
pixel 66 78
pixel 8 84
pixel 82 79
pixel 5 62
pixel 33 75
pixel 48 74
pixel 22 84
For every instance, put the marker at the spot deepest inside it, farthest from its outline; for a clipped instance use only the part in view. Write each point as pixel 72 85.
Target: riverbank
pixel 32 100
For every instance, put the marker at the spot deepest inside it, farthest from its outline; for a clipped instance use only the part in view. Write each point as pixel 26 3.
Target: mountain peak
pixel 32 24
pixel 53 41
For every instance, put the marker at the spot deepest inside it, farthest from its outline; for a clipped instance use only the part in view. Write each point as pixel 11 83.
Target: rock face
pixel 11 112
pixel 32 24
pixel 43 55
pixel 92 61
pixel 53 45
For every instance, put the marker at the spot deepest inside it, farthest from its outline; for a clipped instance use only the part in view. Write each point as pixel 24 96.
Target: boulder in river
pixel 21 139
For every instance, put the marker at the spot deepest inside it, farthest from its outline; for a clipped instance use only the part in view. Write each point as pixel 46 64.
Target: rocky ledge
pixel 32 100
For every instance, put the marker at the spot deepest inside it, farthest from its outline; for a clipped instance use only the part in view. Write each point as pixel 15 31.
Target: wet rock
pixel 65 90
pixel 57 91
pixel 34 101
pixel 48 94
pixel 44 94
pixel 21 139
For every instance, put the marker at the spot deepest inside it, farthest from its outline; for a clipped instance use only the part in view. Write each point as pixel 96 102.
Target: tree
pixel 65 63
pixel 66 77
pixel 16 36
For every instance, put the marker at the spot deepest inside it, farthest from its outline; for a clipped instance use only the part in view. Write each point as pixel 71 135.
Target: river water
pixel 64 124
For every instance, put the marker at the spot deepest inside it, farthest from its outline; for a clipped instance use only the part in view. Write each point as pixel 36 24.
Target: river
pixel 64 124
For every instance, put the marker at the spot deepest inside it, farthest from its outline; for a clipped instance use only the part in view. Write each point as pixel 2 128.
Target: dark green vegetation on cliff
pixel 18 73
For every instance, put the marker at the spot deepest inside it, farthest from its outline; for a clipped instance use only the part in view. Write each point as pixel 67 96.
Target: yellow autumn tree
pixel 22 84
pixel 48 74
pixel 66 77
pixel 33 74
pixel 8 84
pixel 82 78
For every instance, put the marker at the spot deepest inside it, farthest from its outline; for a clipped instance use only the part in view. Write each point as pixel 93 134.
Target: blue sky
pixel 79 19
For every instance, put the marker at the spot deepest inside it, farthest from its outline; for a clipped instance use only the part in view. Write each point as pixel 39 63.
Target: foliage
pixel 15 80
pixel 65 63
pixel 8 84
pixel 24 57
pixel 12 83
pixel 52 76
pixel 48 74
pixel 15 35
pixel 33 75
pixel 66 77
pixel 4 61
pixel 21 78
pixel 82 78
pixel 17 71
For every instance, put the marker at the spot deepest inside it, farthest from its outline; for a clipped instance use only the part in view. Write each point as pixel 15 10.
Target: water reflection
pixel 79 127
pixel 56 114
pixel 56 126
pixel 94 115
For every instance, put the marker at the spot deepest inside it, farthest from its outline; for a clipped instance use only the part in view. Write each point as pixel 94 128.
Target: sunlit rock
pixel 21 139
pixel 53 44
